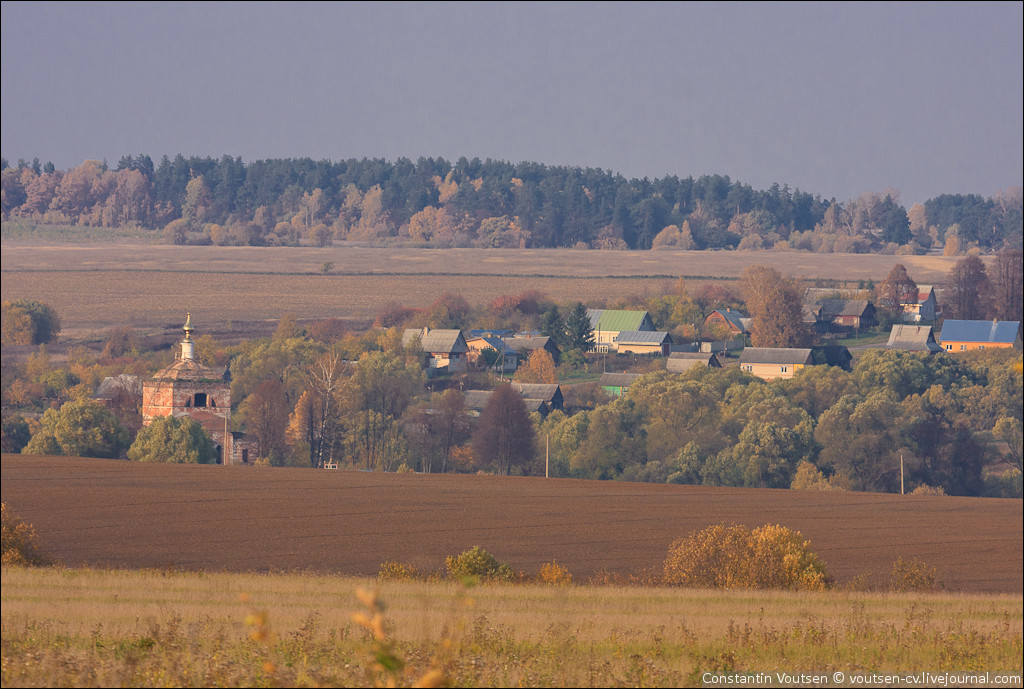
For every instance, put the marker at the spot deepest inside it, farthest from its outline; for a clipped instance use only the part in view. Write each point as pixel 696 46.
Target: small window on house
pixel 245 456
pixel 949 348
pixel 785 369
pixel 200 399
pixel 963 348
pixel 981 346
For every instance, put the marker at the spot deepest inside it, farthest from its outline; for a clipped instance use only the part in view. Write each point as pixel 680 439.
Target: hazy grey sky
pixel 833 98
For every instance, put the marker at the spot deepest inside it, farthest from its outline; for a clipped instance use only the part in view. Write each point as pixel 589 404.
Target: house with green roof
pixel 608 323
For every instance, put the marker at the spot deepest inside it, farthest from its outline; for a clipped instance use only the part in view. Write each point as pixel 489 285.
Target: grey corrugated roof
pixel 529 342
pixel 539 406
pixel 112 385
pixel 538 391
pixel 830 308
pixel 643 337
pixel 617 380
pixel 913 338
pixel 438 341
pixel 1002 332
pixel 775 355
pixel 477 399
pixel 493 342
pixel 681 362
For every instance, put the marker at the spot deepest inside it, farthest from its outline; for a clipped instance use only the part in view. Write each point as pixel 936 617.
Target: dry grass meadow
pixel 157 628
pixel 100 285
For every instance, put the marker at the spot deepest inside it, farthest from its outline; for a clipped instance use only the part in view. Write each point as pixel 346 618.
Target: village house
pixel 616 384
pixel 528 344
pixel 549 393
pixel 506 358
pixel 963 336
pixel 923 309
pixel 608 323
pixel 729 320
pixel 540 398
pixel 913 338
pixel 847 314
pixel 681 362
pixel 202 393
pixel 829 310
pixel 773 363
pixel 445 350
pixel 650 342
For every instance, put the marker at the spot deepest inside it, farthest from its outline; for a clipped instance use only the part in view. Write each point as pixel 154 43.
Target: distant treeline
pixel 432 202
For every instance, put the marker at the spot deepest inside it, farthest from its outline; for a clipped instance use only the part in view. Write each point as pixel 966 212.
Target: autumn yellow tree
pixel 539 368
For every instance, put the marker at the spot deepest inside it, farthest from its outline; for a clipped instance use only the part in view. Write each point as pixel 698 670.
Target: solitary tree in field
pixel 504 436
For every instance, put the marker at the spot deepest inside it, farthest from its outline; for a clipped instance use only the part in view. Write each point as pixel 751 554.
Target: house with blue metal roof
pixel 963 336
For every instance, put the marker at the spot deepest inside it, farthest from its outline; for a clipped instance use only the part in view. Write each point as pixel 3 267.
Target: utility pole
pixel 901 474
pixel 547 453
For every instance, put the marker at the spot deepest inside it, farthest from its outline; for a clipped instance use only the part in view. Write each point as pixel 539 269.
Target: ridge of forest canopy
pixel 431 202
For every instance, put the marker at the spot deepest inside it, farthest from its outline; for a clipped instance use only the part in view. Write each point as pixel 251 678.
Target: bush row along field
pixel 82 627
pixel 111 513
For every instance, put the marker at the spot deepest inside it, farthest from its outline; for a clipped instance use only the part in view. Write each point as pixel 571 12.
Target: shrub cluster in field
pixel 19 543
pixel 720 556
pixel 768 557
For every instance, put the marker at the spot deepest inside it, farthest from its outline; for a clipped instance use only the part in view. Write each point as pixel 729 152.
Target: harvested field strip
pixel 516 262
pixel 111 513
pixel 104 298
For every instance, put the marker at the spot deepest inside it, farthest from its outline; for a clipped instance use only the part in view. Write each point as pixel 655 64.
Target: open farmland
pixel 111 513
pixel 100 285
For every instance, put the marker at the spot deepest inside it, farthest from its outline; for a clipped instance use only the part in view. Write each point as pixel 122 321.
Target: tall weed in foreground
pixel 735 557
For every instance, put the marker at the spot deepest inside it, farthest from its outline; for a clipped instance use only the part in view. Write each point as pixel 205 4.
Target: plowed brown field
pixel 113 513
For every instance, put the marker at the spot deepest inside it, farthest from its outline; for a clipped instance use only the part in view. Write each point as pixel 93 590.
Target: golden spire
pixel 188 326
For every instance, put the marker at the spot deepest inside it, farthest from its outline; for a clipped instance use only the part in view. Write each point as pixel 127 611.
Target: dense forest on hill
pixel 432 202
